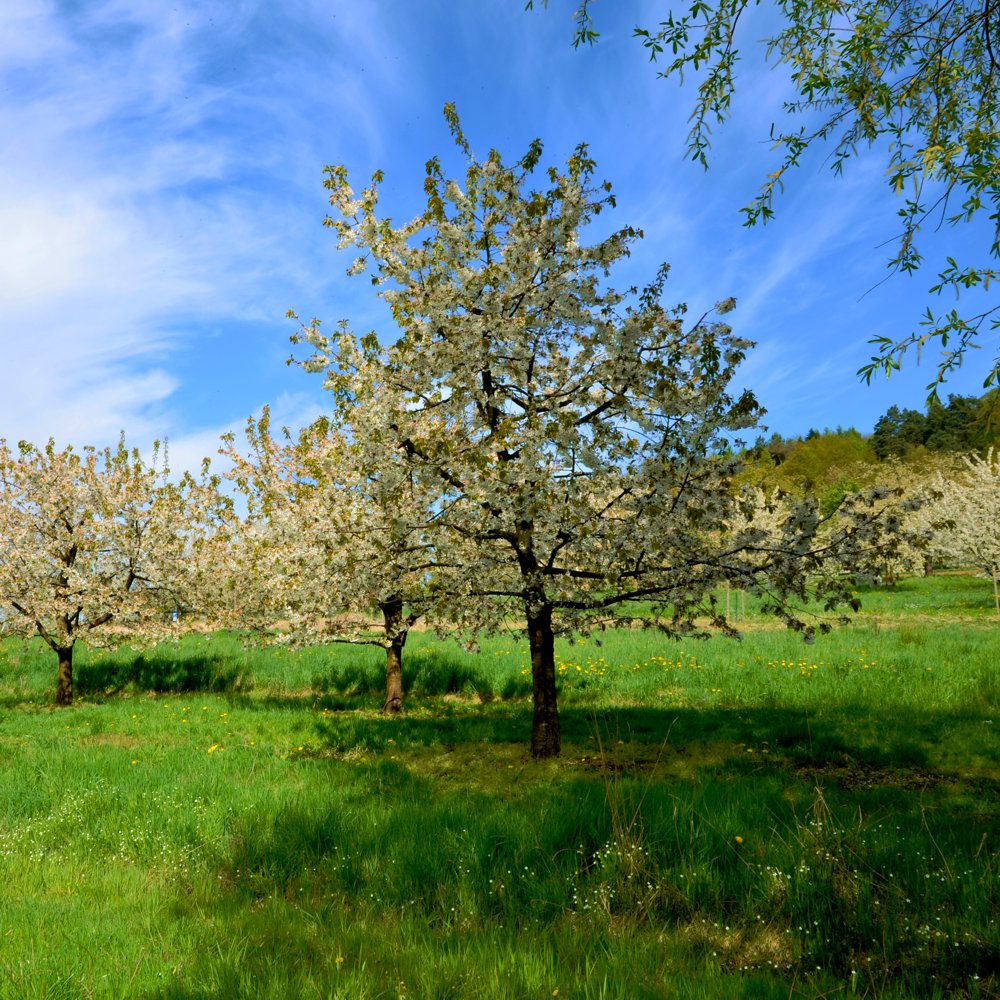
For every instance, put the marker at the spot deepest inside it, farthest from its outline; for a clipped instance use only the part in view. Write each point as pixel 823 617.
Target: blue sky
pixel 162 201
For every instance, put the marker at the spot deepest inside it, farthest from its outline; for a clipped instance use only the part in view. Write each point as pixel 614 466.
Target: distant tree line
pixel 963 424
pixel 832 462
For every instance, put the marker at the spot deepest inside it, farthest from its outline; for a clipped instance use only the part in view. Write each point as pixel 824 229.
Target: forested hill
pixel 829 462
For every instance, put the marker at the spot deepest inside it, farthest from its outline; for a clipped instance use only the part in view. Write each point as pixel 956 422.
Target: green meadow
pixel 759 819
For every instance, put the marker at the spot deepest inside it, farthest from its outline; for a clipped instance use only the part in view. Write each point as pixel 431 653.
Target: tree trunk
pixel 545 738
pixel 392 616
pixel 394 677
pixel 64 678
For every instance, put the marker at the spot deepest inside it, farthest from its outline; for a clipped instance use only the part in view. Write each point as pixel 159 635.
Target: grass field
pixel 761 819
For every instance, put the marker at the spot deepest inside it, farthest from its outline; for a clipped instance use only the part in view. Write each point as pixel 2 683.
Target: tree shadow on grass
pixel 432 671
pixel 428 672
pixel 161 673
pixel 845 747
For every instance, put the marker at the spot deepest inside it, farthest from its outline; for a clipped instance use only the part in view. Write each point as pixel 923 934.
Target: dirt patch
pixel 853 774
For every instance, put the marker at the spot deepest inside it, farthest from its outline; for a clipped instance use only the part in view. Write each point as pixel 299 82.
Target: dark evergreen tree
pixel 897 432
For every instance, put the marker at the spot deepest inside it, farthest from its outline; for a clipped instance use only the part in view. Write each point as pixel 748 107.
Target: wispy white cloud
pixel 148 193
